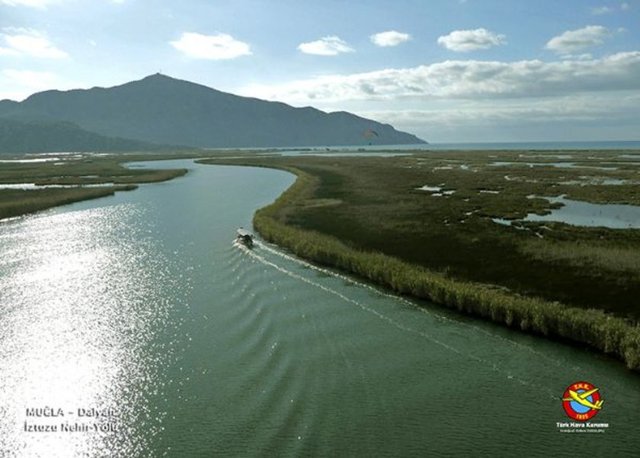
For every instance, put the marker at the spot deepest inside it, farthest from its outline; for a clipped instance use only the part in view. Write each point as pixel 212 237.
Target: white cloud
pixel 389 38
pixel 471 40
pixel 30 79
pixel 572 41
pixel 570 108
pixel 326 46
pixel 464 80
pixel 31 43
pixel 19 84
pixel 212 47
pixel 30 3
pixel 589 117
pixel 7 52
pixel 600 10
pixel 41 4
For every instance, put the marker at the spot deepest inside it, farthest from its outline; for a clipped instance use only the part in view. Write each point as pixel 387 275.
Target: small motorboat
pixel 244 237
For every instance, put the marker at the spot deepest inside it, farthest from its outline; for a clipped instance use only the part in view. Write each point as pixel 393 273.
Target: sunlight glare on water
pixel 80 306
pixel 140 306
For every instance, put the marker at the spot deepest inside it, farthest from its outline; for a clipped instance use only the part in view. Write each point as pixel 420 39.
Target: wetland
pixel 140 304
pixel 431 215
pixel 558 229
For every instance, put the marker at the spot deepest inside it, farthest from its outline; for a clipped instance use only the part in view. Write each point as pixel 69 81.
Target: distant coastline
pixel 541 146
pixel 484 146
pixel 445 146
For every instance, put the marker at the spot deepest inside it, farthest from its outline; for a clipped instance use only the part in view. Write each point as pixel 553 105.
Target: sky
pixel 445 70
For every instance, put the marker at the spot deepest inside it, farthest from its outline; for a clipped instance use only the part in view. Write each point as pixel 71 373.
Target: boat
pixel 244 237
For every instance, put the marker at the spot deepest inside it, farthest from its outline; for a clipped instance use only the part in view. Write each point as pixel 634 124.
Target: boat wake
pixel 411 304
pixel 261 246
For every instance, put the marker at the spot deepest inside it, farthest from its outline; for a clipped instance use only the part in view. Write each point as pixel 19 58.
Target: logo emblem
pixel 581 401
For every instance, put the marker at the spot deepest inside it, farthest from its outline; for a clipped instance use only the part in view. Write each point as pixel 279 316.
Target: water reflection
pixel 559 165
pixel 80 304
pixel 579 213
pixel 204 349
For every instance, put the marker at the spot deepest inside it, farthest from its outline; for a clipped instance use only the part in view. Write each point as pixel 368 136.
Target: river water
pixel 139 309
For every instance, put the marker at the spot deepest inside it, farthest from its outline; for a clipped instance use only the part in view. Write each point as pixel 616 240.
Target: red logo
pixel 581 401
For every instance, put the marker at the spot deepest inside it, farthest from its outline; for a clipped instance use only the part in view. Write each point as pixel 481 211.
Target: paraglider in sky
pixel 370 134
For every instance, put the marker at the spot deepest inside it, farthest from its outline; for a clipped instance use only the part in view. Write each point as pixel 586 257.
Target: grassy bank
pixel 376 204
pixel 19 202
pixel 334 196
pixel 79 172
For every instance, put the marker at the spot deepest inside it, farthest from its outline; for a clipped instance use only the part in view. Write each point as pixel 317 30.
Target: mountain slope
pixel 161 109
pixel 40 136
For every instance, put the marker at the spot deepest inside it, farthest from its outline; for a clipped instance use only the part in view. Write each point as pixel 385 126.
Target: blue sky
pixel 446 70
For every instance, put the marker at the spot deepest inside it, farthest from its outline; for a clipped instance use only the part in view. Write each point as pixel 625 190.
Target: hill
pixel 53 136
pixel 164 110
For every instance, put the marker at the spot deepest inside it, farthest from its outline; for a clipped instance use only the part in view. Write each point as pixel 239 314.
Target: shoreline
pixel 591 327
pixel 28 202
pixel 107 171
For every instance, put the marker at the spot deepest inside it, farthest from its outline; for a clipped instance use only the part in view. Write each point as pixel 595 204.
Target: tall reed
pixel 590 327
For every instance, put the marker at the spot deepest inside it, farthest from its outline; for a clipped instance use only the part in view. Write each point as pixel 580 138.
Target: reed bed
pixel 20 202
pixel 591 327
pixel 75 172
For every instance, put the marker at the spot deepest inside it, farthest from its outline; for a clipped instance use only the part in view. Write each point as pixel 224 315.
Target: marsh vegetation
pixel 369 216
pixel 76 173
pixel 424 225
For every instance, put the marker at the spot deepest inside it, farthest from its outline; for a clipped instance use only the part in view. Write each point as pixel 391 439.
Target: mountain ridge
pixel 164 110
pixel 57 136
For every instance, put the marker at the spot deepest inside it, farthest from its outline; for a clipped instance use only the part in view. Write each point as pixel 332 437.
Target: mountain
pixel 43 136
pixel 164 110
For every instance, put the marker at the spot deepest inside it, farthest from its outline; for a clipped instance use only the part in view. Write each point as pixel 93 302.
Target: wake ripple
pixel 487 363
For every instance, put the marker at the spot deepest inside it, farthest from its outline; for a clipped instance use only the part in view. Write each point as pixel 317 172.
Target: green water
pixel 141 303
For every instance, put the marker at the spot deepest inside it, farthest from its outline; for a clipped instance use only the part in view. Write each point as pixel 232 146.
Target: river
pixel 133 326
